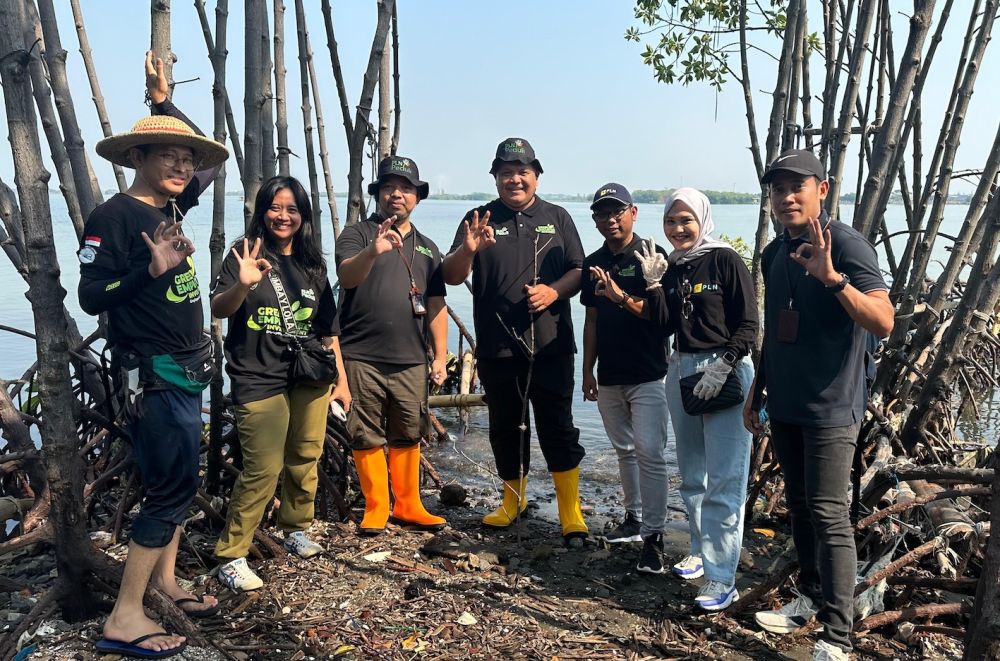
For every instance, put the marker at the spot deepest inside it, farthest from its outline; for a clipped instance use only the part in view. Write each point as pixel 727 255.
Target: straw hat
pixel 162 130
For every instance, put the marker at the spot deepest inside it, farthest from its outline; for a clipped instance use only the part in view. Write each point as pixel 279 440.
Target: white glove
pixel 654 264
pixel 712 379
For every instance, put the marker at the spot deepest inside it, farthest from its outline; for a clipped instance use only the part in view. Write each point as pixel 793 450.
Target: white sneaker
pixel 789 617
pixel 300 544
pixel 716 595
pixel 237 575
pixel 824 651
pixel 690 567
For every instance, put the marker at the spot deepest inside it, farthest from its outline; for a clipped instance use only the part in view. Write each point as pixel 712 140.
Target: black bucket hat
pixel 515 150
pixel 400 166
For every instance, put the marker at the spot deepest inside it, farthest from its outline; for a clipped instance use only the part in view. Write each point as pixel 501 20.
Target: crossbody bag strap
pixel 287 318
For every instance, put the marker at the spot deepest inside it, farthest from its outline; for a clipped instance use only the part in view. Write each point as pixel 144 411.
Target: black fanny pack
pixel 309 361
pixel 730 395
pixel 190 369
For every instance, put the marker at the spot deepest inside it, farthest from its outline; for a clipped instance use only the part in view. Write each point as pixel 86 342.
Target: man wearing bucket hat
pixel 135 265
pixel 824 299
pixel 525 257
pixel 392 322
pixel 630 353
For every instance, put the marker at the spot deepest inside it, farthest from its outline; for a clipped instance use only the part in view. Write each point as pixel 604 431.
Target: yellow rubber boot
pixel 373 473
pixel 506 514
pixel 404 471
pixel 567 485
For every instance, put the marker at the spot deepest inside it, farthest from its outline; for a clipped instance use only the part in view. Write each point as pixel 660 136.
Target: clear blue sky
pixel 557 73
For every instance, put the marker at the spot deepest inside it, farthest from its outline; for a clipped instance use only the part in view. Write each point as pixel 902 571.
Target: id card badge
pixel 417 302
pixel 788 326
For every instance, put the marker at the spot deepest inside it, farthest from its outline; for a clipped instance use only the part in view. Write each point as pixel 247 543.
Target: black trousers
pixel 816 463
pixel 551 397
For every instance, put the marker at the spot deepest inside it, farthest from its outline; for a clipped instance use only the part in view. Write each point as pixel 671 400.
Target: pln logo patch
pixel 502 231
pixel 424 250
pixel 546 229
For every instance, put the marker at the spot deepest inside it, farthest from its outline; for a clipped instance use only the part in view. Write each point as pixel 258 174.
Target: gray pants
pixel 635 418
pixel 816 463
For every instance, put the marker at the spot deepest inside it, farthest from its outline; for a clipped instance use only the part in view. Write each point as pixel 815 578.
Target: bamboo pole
pixel 270 161
pixel 385 101
pixel 302 31
pixel 395 80
pixel 253 100
pixel 55 57
pixel 234 136
pixel 159 38
pixel 45 292
pixel 95 86
pixel 49 121
pixel 281 109
pixel 324 156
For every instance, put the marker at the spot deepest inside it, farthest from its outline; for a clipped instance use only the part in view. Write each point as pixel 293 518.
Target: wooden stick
pixel 908 614
pixel 305 55
pixel 896 565
pixel 281 109
pixel 896 508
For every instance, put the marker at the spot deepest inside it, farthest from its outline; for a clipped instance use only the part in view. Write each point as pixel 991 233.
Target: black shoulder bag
pixel 310 362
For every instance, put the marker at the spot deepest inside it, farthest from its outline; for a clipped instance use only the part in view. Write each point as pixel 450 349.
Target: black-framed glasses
pixel 608 216
pixel 687 305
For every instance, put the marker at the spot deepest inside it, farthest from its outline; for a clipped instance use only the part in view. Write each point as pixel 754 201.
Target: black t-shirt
pixel 500 273
pixel 376 321
pixel 153 316
pixel 723 313
pixel 818 380
pixel 630 350
pixel 255 340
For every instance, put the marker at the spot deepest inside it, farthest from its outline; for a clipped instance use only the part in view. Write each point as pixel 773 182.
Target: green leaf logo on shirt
pixel 628 271
pixel 185 286
pixel 546 229
pixel 424 250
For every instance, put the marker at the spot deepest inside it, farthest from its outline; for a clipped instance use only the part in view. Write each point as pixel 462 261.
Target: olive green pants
pixel 280 433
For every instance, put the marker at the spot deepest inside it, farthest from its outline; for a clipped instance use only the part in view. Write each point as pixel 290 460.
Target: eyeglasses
pixel 687 305
pixel 171 160
pixel 608 216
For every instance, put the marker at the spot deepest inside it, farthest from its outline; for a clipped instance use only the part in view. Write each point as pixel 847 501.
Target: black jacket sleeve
pixel 740 303
pixel 106 280
pixel 659 309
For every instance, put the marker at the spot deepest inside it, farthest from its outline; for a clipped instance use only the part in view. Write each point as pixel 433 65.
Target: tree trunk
pixel 395 79
pixel 270 161
pixel 338 72
pixel 385 101
pixel 50 123
pixel 281 108
pixel 55 57
pixel 324 157
pixel 356 145
pixel 58 431
pixel 253 100
pixel 95 86
pixel 302 32
pixel 159 37
pixel 983 638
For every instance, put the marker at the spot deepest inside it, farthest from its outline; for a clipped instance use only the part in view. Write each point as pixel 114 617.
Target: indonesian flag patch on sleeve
pixel 93 241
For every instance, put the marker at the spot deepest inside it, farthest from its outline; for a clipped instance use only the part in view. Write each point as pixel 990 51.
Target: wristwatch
pixel 839 287
pixel 730 358
pixel 624 300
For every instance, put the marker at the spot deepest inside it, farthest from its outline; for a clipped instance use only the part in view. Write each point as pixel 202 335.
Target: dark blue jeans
pixel 816 463
pixel 166 436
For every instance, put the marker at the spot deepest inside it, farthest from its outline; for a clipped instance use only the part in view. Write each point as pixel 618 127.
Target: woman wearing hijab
pixel 706 300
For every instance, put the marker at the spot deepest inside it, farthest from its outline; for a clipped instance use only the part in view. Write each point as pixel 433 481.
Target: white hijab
pixel 702 209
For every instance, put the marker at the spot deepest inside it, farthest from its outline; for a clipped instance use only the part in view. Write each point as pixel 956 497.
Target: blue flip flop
pixel 205 612
pixel 131 648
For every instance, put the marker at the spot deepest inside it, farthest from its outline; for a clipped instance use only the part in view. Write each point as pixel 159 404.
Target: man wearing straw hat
pixel 136 266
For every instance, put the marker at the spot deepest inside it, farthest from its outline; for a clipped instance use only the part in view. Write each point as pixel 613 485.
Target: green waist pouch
pixel 190 370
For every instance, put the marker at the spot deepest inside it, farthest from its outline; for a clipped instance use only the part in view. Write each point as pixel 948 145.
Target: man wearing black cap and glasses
pixel 824 295
pixel 393 298
pixel 631 357
pixel 525 258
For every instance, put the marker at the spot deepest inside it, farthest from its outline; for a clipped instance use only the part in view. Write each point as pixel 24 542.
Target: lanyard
pixel 413 255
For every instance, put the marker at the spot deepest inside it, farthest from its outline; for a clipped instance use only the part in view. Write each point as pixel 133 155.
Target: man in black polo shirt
pixel 525 257
pixel 824 295
pixel 631 358
pixel 393 297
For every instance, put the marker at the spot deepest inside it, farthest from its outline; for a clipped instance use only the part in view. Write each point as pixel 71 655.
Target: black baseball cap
pixel 515 150
pixel 799 161
pixel 400 166
pixel 612 191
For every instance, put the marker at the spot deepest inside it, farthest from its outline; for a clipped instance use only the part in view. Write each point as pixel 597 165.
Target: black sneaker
pixel 649 560
pixel 626 531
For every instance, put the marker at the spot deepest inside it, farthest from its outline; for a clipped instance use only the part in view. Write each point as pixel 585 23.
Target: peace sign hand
pixel 157 85
pixel 478 233
pixel 386 238
pixel 816 256
pixel 252 268
pixel 605 286
pixel 167 248
pixel 653 263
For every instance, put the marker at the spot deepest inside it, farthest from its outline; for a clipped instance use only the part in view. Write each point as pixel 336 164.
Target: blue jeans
pixel 713 454
pixel 635 419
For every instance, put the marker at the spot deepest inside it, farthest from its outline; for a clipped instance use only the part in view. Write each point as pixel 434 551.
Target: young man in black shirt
pixel 525 257
pixel 631 357
pixel 393 297
pixel 824 294
pixel 135 265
